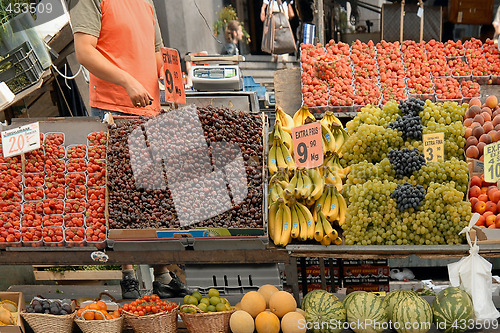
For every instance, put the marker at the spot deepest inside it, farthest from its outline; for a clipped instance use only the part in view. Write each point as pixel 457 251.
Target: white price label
pixel 21 140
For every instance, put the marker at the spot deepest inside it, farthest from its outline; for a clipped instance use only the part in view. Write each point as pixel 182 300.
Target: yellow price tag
pixel 433 147
pixel 492 162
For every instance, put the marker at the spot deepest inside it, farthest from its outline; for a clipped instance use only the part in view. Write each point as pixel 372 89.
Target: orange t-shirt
pixel 128 36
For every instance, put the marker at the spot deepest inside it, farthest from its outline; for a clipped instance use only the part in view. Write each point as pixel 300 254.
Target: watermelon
pixel 366 313
pixel 349 297
pixel 452 309
pixel 325 313
pixel 412 314
pixel 309 295
pixel 394 297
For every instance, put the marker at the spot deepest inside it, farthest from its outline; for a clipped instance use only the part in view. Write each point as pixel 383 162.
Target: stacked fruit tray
pixel 59 197
pixel 339 77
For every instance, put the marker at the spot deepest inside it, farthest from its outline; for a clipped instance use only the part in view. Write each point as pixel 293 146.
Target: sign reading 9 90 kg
pixel 308 145
pixel 174 87
pixel 492 162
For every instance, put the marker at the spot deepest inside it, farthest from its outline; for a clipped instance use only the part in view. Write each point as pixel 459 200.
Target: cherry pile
pixel 186 168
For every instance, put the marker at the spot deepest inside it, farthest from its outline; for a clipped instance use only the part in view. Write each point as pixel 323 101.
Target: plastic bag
pixel 473 274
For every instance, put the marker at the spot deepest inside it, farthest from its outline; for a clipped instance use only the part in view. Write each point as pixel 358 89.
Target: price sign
pixel 434 147
pixel 174 87
pixel 492 162
pixel 21 140
pixel 308 145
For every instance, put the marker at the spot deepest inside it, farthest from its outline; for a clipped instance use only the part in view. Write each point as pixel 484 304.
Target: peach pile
pixel 485 200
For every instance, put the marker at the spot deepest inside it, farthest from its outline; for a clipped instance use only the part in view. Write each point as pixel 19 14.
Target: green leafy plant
pixel 227 14
pixel 9 9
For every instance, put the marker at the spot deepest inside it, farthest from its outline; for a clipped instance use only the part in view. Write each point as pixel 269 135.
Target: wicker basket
pixel 114 325
pixel 213 322
pixel 164 322
pixel 44 322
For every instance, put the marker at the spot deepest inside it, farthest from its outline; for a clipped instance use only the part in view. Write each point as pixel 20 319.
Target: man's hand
pixel 138 95
pixel 263 12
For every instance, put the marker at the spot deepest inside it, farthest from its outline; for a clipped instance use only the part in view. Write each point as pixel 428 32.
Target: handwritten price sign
pixel 433 147
pixel 492 162
pixel 21 140
pixel 174 87
pixel 308 145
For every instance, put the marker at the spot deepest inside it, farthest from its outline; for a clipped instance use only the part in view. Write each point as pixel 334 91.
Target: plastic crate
pixel 20 68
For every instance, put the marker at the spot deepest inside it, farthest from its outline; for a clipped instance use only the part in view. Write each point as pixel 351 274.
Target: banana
pixel 329 119
pixel 309 219
pixel 326 240
pixel 274 194
pixel 290 163
pixel 275 230
pixel 271 160
pixel 327 138
pixel 338 241
pixel 280 157
pixel 332 212
pixel 282 134
pixel 318 183
pixel 318 230
pixel 338 135
pixel 299 188
pixel 342 208
pixel 327 203
pixel 295 222
pixel 286 121
pixel 271 224
pixel 327 227
pixel 308 185
pixel 281 174
pixel 321 201
pixel 292 184
pixel 299 118
pixel 287 225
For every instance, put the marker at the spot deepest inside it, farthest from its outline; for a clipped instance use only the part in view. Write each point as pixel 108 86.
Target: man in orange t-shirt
pixel 119 42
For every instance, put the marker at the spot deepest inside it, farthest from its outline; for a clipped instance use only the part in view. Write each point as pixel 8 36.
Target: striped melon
pixel 412 314
pixel 394 297
pixel 366 313
pixel 349 297
pixel 324 313
pixel 311 294
pixel 452 309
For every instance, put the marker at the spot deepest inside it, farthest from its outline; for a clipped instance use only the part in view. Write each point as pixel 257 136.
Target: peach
pixel 481 158
pixel 475 101
pixel 495 135
pixel 478 131
pixel 473 201
pixel 498 207
pixel 492 226
pixel 472 152
pixel 497 221
pixel 491 207
pixel 488 126
pixel 496 197
pixel 483 197
pixel 495 113
pixel 491 190
pixel 468 132
pixel 487 110
pixel 471 141
pixel 490 220
pixel 468 122
pixel 486 116
pixel 497 127
pixel 496 120
pixel 481 146
pixel 481 222
pixel 479 119
pixel 474 191
pixel 473 111
pixel 480 207
pixel 476 181
pixel 486 138
pixel 491 101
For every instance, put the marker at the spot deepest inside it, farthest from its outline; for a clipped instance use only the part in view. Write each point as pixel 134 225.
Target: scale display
pixel 214 73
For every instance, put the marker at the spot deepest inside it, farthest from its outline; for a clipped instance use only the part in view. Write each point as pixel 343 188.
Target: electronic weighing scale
pixel 216 72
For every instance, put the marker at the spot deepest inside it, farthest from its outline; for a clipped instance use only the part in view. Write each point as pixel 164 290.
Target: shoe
pixel 130 288
pixel 175 288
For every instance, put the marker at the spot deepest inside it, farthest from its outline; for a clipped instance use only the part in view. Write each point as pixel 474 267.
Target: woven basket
pixel 213 322
pixel 44 322
pixel 114 325
pixel 164 322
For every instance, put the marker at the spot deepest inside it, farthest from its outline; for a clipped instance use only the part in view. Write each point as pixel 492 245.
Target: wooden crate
pixel 470 11
pixel 80 276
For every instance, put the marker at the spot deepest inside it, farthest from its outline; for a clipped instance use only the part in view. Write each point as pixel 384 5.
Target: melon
pixel 267 322
pixel 241 322
pixel 302 312
pixel 293 322
pixel 312 294
pixel 349 297
pixel 267 291
pixel 366 313
pixel 412 314
pixel 253 303
pixel 325 313
pixel 394 297
pixel 281 303
pixel 452 309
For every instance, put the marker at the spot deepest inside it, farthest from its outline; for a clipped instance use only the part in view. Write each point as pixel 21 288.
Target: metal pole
pixel 421 21
pixel 402 21
pixel 320 22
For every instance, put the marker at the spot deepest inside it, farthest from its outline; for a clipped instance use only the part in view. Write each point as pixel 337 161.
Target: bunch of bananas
pixel 305 204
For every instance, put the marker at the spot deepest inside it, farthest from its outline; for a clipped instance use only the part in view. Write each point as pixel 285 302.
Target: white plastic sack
pixel 473 274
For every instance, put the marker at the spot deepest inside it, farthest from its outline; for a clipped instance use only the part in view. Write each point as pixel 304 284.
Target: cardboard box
pixel 360 262
pixel 485 235
pixel 366 280
pixel 406 285
pixel 366 270
pixel 315 270
pixel 368 287
pixel 18 298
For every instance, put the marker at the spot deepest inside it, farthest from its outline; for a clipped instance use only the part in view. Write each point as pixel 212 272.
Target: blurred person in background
pixel 287 9
pixel 233 35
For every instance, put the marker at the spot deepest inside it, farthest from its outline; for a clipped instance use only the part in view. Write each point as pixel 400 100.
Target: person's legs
pixel 129 284
pixel 167 284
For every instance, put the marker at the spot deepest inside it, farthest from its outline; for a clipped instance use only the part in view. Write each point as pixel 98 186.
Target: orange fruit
pixel 89 315
pixel 79 312
pixel 102 305
pixel 115 314
pixel 100 315
pixel 94 306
